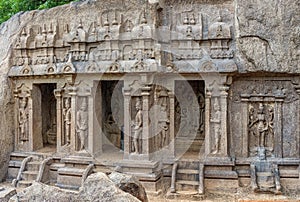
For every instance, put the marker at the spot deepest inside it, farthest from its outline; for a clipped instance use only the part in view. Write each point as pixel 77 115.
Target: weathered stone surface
pixel 268 35
pixel 6 194
pixel 42 192
pixel 65 66
pixel 98 187
pixel 129 184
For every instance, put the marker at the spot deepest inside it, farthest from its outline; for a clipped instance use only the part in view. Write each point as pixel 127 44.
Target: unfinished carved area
pixel 198 99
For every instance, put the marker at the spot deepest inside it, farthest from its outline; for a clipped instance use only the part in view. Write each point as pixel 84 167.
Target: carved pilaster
pixel 127 126
pixel 207 119
pixel 146 135
pixel 59 133
pixel 73 139
pixel 224 137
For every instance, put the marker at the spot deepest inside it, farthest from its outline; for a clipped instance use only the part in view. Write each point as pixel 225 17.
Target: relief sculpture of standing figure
pixel 67 120
pixel 137 126
pixel 82 123
pixel 23 119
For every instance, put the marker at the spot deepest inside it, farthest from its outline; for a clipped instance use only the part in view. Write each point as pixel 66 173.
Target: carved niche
pixel 22 96
pixel 136 125
pixel 261 127
pixel 266 108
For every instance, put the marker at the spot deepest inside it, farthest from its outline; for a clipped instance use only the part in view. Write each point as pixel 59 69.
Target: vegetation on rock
pixel 10 7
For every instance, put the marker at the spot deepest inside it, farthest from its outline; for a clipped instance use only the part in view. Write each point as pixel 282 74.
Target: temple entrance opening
pixel 189 118
pixel 112 115
pixel 44 117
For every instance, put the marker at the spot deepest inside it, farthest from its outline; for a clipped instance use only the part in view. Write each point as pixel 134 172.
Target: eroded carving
pixel 137 127
pixel 82 122
pixel 67 119
pixel 261 126
pixel 216 125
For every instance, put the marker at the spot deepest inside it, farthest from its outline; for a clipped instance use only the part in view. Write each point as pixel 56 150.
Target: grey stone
pixel 98 187
pixel 129 184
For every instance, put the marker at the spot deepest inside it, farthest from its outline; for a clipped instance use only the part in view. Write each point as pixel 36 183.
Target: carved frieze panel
pixel 117 36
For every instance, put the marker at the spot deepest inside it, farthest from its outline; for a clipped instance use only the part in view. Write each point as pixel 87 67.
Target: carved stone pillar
pixel 207 124
pixel 59 121
pixel 127 126
pixel 245 121
pixel 278 128
pixel 146 127
pixel 172 124
pixel 73 137
pixel 224 137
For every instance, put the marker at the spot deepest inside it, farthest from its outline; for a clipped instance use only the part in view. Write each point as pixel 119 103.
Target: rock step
pixel 17 156
pixel 56 166
pixel 15 163
pixel 29 175
pixel 33 165
pixel 187 182
pixel 24 183
pixel 188 171
pixel 71 171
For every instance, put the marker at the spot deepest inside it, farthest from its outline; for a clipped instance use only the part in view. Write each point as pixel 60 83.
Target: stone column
pixel 298 136
pixel 172 122
pixel 91 114
pixel 127 126
pixel 146 127
pixel 278 128
pixel 207 122
pixel 59 119
pixel 73 136
pixel 245 121
pixel 224 137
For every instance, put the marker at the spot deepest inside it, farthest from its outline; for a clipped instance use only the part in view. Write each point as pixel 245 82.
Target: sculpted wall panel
pixel 264 113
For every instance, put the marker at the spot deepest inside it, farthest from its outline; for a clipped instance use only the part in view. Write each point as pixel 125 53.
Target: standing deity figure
pixel 23 119
pixel 82 123
pixel 163 123
pixel 216 120
pixel 137 126
pixel 262 126
pixel 67 120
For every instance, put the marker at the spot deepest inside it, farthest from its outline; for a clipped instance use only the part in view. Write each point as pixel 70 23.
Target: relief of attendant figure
pixel 67 120
pixel 23 119
pixel 137 127
pixel 82 123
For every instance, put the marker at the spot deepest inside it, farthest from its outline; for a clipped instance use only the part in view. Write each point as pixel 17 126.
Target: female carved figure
pixel 262 126
pixel 23 119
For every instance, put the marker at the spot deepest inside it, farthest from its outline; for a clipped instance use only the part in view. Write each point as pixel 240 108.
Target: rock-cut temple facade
pixel 186 95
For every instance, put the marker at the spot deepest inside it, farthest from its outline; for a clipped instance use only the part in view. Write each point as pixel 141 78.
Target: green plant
pixel 10 7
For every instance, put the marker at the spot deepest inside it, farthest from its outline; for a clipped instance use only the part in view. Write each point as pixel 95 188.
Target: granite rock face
pixel 97 187
pixel 129 184
pixel 268 35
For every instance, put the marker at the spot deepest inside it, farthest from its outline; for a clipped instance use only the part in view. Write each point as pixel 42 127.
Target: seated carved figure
pixel 264 174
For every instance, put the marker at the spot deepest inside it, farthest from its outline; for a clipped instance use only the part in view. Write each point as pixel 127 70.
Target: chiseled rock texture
pixel 266 37
pixel 129 184
pixel 97 187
